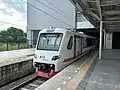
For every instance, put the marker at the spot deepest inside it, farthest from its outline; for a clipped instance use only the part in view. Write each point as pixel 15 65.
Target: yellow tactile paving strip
pixel 77 79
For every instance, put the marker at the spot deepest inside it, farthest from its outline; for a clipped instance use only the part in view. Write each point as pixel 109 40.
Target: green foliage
pixel 12 46
pixel 13 35
pixel 3 36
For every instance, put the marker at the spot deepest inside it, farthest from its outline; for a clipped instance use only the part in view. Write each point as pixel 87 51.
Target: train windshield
pixel 49 41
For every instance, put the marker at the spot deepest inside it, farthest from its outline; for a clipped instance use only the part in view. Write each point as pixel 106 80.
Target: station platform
pixel 9 57
pixel 15 64
pixel 88 73
pixel 104 74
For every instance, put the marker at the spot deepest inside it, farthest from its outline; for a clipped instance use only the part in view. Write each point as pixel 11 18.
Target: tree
pixel 14 35
pixel 3 36
pixel 17 34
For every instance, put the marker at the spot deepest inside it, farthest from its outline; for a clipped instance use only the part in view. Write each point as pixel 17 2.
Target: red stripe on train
pixel 68 59
pixel 71 58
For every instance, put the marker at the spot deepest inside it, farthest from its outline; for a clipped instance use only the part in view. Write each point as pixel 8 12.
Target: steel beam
pixel 92 9
pixel 99 8
pixel 104 5
pixel 108 21
pixel 93 15
pixel 113 25
pixel 91 1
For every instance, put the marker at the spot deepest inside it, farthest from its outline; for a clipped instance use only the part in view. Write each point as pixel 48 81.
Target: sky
pixel 14 12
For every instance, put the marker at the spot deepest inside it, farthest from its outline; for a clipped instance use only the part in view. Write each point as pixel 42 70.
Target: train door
pixel 77 46
pixel 80 44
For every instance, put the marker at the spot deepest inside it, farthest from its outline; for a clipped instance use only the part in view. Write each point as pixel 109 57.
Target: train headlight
pixel 56 57
pixel 35 56
pixel 34 64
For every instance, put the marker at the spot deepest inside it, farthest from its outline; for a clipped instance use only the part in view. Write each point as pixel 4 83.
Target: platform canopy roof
pixel 95 11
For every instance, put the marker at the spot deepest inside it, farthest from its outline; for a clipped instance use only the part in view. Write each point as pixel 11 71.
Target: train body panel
pixel 57 47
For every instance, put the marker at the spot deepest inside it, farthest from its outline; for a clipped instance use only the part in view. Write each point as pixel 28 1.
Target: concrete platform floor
pixel 104 74
pixel 7 57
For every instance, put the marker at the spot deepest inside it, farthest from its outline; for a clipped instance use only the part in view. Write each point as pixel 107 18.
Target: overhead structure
pixel 106 12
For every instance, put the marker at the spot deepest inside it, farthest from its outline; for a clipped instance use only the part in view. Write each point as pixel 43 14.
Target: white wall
pixel 109 40
pixel 38 20
pixel 29 37
pixel 84 24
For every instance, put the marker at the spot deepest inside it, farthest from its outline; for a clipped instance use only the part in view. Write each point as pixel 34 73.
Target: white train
pixel 58 47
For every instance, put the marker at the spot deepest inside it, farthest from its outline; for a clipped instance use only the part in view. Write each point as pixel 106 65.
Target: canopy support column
pixel 100 41
pixel 104 39
pixel 75 19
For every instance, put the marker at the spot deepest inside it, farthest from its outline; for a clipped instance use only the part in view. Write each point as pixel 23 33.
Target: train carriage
pixel 58 47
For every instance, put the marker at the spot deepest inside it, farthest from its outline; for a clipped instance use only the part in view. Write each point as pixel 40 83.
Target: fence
pixel 6 46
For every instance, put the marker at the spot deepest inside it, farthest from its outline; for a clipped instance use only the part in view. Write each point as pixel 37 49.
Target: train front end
pixel 47 54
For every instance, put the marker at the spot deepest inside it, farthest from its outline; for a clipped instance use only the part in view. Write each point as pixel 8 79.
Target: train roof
pixel 63 30
pixel 48 30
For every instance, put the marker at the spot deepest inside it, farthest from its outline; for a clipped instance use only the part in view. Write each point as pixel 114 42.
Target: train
pixel 56 48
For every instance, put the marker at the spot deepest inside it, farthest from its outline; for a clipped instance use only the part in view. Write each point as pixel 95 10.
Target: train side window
pixel 70 43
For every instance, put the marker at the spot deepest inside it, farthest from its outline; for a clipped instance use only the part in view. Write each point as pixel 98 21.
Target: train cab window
pixel 70 43
pixel 49 41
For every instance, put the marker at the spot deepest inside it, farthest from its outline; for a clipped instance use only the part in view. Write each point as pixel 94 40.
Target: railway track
pixel 29 82
pixel 30 85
